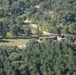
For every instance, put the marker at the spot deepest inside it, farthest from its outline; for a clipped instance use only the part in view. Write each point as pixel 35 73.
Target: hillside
pixel 37 37
pixel 51 15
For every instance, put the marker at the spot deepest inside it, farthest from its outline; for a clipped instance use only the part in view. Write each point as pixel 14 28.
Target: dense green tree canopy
pixel 46 58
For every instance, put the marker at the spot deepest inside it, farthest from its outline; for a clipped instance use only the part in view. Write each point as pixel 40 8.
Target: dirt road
pixel 35 26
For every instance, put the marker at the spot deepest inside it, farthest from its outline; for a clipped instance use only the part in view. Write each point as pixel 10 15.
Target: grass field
pixel 13 42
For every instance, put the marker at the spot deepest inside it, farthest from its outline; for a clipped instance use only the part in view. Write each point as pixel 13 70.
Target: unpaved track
pixel 35 26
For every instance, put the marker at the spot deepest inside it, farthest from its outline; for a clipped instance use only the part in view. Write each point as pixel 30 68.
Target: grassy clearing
pixel 13 42
pixel 33 29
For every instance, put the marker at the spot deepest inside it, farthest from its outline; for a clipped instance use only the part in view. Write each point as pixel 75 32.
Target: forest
pixel 46 58
pixel 58 17
pixel 49 57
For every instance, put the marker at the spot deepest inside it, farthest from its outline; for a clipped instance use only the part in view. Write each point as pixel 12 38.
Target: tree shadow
pixel 2 40
pixel 34 37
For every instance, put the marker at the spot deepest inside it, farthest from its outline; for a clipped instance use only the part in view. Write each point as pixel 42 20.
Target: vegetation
pixel 49 57
pixel 51 15
pixel 13 42
pixel 46 58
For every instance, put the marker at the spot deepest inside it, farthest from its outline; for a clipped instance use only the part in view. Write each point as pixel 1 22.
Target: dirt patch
pixel 35 26
pixel 22 46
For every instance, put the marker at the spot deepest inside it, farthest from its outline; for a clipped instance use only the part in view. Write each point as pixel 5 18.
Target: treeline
pixel 11 19
pixel 51 15
pixel 46 58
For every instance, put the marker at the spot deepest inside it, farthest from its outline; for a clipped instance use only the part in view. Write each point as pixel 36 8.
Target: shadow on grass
pixel 34 37
pixel 21 37
pixel 2 40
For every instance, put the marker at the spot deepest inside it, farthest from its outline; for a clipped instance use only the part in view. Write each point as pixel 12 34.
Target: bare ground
pixel 35 26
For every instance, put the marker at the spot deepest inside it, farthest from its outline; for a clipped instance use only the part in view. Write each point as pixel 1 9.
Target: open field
pixel 13 42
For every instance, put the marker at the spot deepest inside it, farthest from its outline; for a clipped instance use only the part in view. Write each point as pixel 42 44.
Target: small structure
pixel 59 38
pixel 40 39
pixel 51 38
